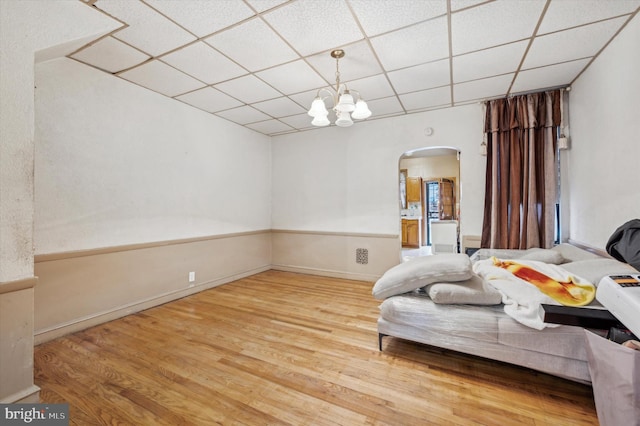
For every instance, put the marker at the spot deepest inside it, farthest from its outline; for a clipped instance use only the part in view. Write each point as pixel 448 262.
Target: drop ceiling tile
pixel 571 44
pixel 241 44
pixel 305 99
pixel 570 13
pixel 493 24
pixel 209 99
pixel 300 121
pixel 312 26
pixel 463 4
pixel 388 15
pixel 418 44
pixel 262 5
pixel 204 63
pixel 373 87
pixel 485 63
pixel 203 17
pixel 480 89
pixel 293 77
pixel 243 115
pixel 148 30
pixel 547 77
pixel 270 127
pixel 426 98
pixel 111 55
pixel 248 89
pixel 358 62
pixel 161 78
pixel 421 77
pixel 280 107
pixel 385 106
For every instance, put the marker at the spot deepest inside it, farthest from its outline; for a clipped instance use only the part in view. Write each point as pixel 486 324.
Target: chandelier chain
pixel 337 75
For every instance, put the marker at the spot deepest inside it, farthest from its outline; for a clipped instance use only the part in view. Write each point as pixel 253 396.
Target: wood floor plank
pixel 173 395
pixel 286 348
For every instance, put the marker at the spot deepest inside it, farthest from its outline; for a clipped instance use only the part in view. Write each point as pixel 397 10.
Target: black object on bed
pixel 581 317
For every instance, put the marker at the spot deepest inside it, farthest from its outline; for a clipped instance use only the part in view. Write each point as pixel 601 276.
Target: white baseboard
pixel 326 273
pixel 30 395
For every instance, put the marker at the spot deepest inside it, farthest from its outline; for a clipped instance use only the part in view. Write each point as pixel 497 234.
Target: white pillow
pixel 543 255
pixel 593 270
pixel 474 291
pixel 421 271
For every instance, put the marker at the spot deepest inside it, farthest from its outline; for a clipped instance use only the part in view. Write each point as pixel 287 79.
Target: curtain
pixel 521 175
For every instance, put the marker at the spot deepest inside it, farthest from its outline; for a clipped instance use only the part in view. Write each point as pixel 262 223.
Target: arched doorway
pixel 429 201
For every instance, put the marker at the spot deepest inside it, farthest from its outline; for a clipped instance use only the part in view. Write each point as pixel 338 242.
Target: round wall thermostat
pixel 428 131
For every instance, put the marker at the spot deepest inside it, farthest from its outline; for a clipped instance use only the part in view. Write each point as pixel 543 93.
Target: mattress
pixel 480 324
pixel 418 310
pixel 568 368
pixel 565 341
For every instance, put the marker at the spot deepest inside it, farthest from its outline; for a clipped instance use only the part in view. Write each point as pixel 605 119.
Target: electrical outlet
pixel 192 277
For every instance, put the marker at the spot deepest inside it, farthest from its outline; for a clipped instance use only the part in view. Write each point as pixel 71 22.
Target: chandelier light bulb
pixel 362 111
pixel 320 121
pixel 344 119
pixel 318 108
pixel 345 104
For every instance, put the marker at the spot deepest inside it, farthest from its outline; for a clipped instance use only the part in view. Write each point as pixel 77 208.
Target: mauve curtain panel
pixel 521 175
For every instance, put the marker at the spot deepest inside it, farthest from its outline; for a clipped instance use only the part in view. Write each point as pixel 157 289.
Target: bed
pixel 448 301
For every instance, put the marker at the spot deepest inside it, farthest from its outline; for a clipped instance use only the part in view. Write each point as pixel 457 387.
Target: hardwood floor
pixel 285 348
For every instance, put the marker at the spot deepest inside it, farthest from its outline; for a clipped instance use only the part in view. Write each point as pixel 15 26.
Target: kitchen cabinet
pixel 414 189
pixel 411 232
pixel 447 200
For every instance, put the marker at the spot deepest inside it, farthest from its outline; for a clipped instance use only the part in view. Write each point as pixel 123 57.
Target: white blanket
pixel 521 299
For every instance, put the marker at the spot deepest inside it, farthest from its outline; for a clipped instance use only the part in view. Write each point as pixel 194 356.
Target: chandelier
pixel 343 104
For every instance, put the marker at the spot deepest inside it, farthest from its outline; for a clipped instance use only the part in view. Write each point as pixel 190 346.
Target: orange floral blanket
pixel 564 290
pixel 526 284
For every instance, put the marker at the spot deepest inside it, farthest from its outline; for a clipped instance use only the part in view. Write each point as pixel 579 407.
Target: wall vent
pixel 362 256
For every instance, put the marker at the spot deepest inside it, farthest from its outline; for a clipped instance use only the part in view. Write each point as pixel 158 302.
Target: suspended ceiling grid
pixel 259 63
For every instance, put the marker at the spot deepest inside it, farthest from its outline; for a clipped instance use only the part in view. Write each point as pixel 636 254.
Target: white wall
pixel 346 179
pixel 28 31
pixel 432 167
pixel 603 179
pixel 117 164
pixel 28 28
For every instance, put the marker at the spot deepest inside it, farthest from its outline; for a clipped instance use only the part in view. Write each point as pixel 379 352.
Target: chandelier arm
pixel 356 92
pixel 330 94
pixel 326 90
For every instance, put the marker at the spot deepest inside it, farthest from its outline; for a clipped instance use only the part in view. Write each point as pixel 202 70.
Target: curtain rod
pixel 566 88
